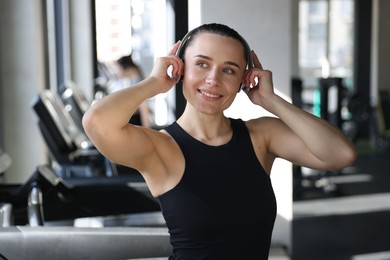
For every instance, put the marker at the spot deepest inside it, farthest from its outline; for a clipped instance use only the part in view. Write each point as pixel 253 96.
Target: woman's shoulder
pixel 264 128
pixel 263 122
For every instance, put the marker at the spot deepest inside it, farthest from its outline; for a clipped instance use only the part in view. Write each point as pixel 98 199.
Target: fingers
pixel 255 77
pixel 176 67
pixel 177 71
pixel 252 76
pixel 174 48
pixel 256 60
pixel 175 64
pixel 247 81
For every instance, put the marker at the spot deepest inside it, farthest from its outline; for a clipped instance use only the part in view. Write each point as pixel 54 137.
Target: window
pixel 326 40
pixel 143 28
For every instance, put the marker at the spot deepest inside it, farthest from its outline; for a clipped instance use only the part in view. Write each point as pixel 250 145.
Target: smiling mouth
pixel 209 95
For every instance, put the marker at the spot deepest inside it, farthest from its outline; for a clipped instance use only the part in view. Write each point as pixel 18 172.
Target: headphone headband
pixel 248 53
pixel 180 50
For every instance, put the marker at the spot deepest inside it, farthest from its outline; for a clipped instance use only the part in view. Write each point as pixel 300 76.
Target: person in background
pixel 128 74
pixel 211 173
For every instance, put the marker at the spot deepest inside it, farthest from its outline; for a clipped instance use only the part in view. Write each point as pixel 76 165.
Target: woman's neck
pixel 209 129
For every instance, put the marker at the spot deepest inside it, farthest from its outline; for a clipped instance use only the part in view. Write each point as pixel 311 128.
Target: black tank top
pixel 224 206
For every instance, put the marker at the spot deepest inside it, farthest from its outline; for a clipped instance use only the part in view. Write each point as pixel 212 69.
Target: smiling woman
pixel 209 172
pixel 212 74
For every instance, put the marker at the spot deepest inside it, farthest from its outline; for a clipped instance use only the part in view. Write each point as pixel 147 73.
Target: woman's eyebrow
pixel 232 63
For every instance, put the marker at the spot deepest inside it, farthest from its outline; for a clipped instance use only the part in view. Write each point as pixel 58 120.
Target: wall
pixel 266 25
pixel 21 76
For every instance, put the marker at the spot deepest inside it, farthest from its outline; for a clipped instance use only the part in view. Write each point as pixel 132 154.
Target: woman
pixel 209 172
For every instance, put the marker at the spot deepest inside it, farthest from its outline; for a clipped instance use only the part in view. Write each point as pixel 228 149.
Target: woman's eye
pixel 202 64
pixel 229 71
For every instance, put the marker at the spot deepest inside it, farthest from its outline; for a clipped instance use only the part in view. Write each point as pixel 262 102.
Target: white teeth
pixel 209 94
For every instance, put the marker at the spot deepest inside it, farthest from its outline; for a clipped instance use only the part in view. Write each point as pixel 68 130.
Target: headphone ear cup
pixel 249 64
pixel 242 86
pixel 181 49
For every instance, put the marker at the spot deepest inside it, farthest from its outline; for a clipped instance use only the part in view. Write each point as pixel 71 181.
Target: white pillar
pixel 22 76
pixel 81 45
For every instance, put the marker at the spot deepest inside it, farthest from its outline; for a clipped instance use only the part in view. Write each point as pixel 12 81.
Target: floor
pixel 351 219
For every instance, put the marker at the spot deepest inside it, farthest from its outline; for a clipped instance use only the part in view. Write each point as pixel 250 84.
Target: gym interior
pixel 61 199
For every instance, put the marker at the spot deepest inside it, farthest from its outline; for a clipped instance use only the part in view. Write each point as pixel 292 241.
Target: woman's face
pixel 214 66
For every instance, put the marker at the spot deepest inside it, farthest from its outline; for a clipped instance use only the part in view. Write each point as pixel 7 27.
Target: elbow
pixel 351 155
pixel 90 122
pixel 347 157
pixel 87 121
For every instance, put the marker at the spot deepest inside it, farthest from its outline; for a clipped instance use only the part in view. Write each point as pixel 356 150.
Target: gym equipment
pixel 47 243
pixel 5 161
pixel 332 92
pixel 5 214
pixel 67 144
pixel 75 103
pixel 47 197
pixel 82 188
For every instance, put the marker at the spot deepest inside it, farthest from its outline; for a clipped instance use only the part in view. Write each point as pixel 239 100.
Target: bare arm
pixel 298 136
pixel 106 122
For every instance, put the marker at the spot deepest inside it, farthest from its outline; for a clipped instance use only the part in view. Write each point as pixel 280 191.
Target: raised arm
pixel 297 135
pixel 106 122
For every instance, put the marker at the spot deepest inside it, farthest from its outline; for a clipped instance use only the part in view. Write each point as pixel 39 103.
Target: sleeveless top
pixel 224 206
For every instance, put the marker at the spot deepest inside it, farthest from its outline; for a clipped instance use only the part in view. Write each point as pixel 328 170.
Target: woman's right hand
pixel 170 62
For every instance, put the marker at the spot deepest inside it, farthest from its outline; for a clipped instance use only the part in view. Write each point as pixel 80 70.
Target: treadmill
pixel 38 217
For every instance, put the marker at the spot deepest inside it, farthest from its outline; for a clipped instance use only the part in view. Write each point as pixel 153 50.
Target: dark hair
pixel 127 62
pixel 215 28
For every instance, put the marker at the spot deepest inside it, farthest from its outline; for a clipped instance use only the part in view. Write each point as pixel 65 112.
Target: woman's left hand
pixel 258 82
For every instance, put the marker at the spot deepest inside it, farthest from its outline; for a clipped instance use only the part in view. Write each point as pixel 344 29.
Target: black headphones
pixel 248 52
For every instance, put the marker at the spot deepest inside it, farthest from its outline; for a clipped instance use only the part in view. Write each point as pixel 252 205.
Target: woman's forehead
pixel 208 43
pixel 213 37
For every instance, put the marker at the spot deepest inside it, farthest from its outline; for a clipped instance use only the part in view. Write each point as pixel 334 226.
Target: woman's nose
pixel 212 77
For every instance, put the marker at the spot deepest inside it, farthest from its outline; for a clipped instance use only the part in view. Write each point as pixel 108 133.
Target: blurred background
pixel 329 57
